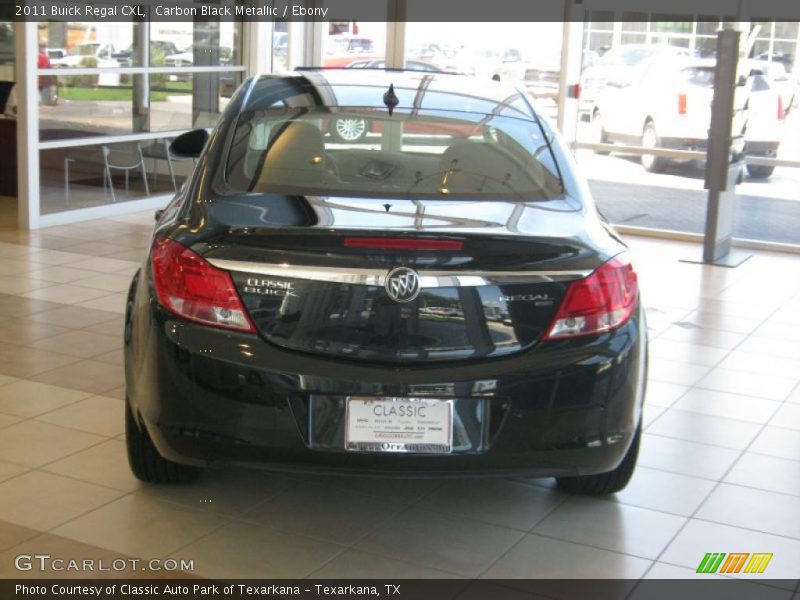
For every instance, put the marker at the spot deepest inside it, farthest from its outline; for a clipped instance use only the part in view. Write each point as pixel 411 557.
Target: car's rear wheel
pixel 651 163
pixel 760 171
pixel 349 131
pixel 605 483
pixel 598 133
pixel 145 461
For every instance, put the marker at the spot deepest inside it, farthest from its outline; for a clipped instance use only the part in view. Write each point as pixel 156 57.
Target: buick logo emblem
pixel 402 284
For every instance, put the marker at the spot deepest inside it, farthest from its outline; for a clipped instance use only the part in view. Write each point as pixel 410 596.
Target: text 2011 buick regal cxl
pixel 441 298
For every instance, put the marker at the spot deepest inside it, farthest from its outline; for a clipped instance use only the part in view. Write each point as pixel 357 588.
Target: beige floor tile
pixel 766 473
pixel 104 265
pixel 11 267
pixel 242 550
pixel 453 544
pixel 778 442
pixel 22 285
pixel 537 557
pixel 401 490
pixel 651 413
pixel 12 535
pixel 661 570
pixel 327 514
pixel 705 429
pixel 763 364
pixel 6 420
pixel 74 317
pixel 788 416
pixel 115 357
pixel 699 537
pixel 112 303
pixel 23 331
pixel 65 293
pixel 83 344
pixel 749 508
pixel 86 375
pixel 105 464
pixel 17 306
pixel 225 490
pixel 724 322
pixel 686 458
pixel 58 547
pixel 9 470
pixel 355 564
pixel 42 500
pixel 611 526
pixel 59 274
pixel 794 397
pixel 786 347
pixel 117 392
pixel 673 371
pixel 28 398
pixel 661 393
pixel 502 502
pixel 704 336
pixel 749 384
pixel 706 356
pixel 98 248
pixel 662 491
pixel 728 405
pixel 5 380
pixel 98 414
pixel 24 362
pixel 141 526
pixel 113 327
pixel 34 444
pixel 107 282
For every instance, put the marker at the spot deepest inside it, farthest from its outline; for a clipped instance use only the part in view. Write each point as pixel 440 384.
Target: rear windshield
pixel 412 154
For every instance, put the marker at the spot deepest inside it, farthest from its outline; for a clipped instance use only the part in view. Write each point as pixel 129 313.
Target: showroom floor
pixel 719 468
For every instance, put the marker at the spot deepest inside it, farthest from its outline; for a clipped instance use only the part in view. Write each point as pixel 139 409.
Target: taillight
pixel 603 301
pixel 681 103
pixel 187 285
pixel 781 110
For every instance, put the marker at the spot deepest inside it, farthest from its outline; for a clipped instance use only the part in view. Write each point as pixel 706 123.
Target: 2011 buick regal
pixel 440 298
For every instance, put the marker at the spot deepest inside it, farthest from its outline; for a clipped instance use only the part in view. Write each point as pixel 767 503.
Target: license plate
pixel 418 425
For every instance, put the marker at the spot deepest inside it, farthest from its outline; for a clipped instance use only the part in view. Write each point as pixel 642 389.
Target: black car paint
pixel 560 407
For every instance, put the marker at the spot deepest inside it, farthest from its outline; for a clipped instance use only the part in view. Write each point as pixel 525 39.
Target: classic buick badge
pixel 402 284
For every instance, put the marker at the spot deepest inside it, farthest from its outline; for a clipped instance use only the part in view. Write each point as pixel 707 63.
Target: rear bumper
pixel 209 396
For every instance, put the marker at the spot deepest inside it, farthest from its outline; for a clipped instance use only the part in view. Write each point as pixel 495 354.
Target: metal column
pixel 725 155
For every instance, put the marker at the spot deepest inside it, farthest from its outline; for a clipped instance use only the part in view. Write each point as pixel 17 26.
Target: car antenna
pixel 390 99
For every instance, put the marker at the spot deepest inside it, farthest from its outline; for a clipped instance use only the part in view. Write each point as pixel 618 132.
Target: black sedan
pixel 442 301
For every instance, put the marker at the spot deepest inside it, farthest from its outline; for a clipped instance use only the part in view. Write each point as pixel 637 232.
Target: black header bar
pixel 444 11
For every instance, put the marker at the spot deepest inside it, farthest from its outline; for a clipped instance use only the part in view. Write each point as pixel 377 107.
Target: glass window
pixel 416 153
pixel 353 41
pixel 634 22
pixel 110 101
pixel 87 176
pixel 280 48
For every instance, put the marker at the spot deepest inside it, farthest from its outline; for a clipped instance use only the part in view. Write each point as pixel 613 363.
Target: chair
pixel 159 150
pixel 124 157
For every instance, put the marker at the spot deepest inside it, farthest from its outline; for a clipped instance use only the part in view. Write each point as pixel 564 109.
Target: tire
pixel 145 461
pixel 599 133
pixel 652 164
pixel 605 483
pixel 349 131
pixel 759 171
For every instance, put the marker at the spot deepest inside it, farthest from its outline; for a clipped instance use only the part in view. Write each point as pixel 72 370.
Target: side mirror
pixel 158 214
pixel 189 144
